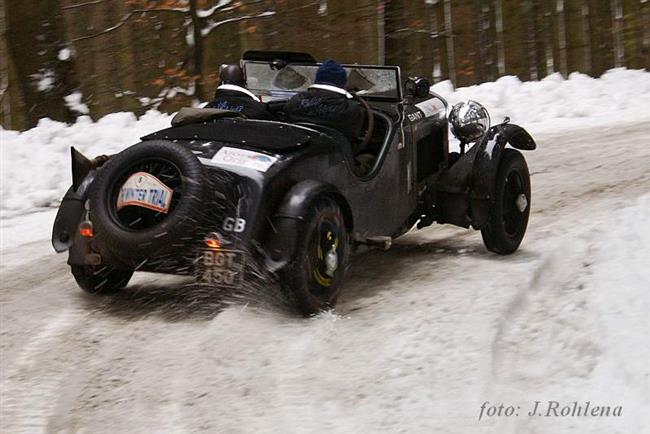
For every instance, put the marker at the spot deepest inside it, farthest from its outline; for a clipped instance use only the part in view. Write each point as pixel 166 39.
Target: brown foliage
pixel 127 51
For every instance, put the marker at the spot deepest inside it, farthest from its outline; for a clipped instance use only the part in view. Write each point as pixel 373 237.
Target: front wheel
pixel 100 279
pixel 510 207
pixel 314 276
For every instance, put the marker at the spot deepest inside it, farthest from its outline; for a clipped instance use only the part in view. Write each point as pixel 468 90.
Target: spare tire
pixel 134 233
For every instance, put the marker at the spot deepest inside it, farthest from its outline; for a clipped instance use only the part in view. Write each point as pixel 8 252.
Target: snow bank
pixel 619 95
pixel 35 164
pixel 36 169
pixel 622 300
pixel 581 331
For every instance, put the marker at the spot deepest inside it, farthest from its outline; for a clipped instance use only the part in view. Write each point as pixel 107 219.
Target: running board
pixel 383 242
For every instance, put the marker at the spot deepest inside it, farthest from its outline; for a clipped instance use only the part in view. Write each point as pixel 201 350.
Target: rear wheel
pixel 510 208
pixel 314 277
pixel 100 279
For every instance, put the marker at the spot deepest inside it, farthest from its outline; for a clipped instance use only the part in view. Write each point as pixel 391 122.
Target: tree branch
pixel 126 18
pixel 80 5
pixel 214 25
pixel 225 6
pixel 432 35
pixel 222 6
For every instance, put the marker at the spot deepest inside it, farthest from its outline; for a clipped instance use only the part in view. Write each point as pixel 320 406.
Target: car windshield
pixel 370 82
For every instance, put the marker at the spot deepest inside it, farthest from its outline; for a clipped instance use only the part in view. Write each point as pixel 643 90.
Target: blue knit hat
pixel 331 72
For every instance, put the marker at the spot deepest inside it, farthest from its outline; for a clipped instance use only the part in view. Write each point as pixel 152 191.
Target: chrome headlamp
pixel 469 121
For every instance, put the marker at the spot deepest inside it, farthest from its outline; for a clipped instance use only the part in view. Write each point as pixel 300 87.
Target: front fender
pixel 517 136
pixel 488 156
pixel 486 165
pixel 465 190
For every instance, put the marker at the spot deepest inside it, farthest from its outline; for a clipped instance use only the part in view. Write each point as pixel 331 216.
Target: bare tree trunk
pixel 5 101
pixel 451 60
pixel 197 52
pixel 548 41
pixel 125 60
pixel 586 39
pixel 645 25
pixel 617 32
pixel 530 40
pixel 561 36
pixel 485 57
pixel 501 58
pixel 34 38
pixel 381 32
pixel 436 72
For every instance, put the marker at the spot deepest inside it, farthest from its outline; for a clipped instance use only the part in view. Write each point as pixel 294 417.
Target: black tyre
pixel 100 279
pixel 510 208
pixel 313 279
pixel 137 232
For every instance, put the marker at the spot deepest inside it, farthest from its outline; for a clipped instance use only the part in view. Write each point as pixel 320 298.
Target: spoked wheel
pixel 100 279
pixel 138 218
pixel 510 208
pixel 314 276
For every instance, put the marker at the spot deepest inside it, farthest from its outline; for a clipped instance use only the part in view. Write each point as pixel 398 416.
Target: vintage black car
pixel 228 199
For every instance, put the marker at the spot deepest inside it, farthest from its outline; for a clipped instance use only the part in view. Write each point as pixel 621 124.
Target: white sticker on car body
pixel 244 158
pixel 145 190
pixel 430 107
pixel 232 224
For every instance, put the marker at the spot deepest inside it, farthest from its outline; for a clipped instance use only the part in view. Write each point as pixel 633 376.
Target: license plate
pixel 222 267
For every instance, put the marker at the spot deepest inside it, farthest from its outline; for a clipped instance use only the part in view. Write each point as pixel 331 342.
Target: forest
pixel 65 58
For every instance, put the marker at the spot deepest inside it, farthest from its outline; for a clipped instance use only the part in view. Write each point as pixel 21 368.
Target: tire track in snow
pixel 548 335
pixel 556 292
pixel 170 413
pixel 136 372
pixel 28 398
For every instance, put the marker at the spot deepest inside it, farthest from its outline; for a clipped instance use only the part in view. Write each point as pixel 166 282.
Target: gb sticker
pixel 231 224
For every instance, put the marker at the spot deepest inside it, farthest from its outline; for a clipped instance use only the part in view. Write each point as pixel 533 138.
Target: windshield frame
pixel 289 93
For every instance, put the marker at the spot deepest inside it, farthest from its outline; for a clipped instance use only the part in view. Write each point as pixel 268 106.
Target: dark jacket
pixel 327 108
pixel 237 101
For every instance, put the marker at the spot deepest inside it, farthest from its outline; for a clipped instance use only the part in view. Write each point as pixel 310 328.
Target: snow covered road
pixel 423 335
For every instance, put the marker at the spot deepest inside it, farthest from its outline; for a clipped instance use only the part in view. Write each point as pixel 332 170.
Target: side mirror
pixel 417 87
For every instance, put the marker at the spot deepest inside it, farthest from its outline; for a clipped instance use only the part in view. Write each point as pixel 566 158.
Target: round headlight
pixel 469 121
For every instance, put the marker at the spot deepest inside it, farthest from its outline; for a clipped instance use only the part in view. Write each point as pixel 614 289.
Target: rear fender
pixel 72 206
pixel 70 213
pixel 81 166
pixel 291 216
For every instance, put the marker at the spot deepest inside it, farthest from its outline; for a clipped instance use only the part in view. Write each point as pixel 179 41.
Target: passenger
pixel 232 95
pixel 326 102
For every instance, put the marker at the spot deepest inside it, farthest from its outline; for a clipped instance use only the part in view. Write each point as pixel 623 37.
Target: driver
pixel 232 95
pixel 328 103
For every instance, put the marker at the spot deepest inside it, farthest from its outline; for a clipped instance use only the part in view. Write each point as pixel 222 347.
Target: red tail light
pixel 86 229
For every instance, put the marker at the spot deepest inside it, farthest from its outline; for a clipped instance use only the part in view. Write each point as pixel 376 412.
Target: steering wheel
pixel 371 121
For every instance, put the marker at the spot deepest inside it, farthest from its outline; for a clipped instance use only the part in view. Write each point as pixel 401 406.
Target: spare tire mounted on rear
pixel 134 230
